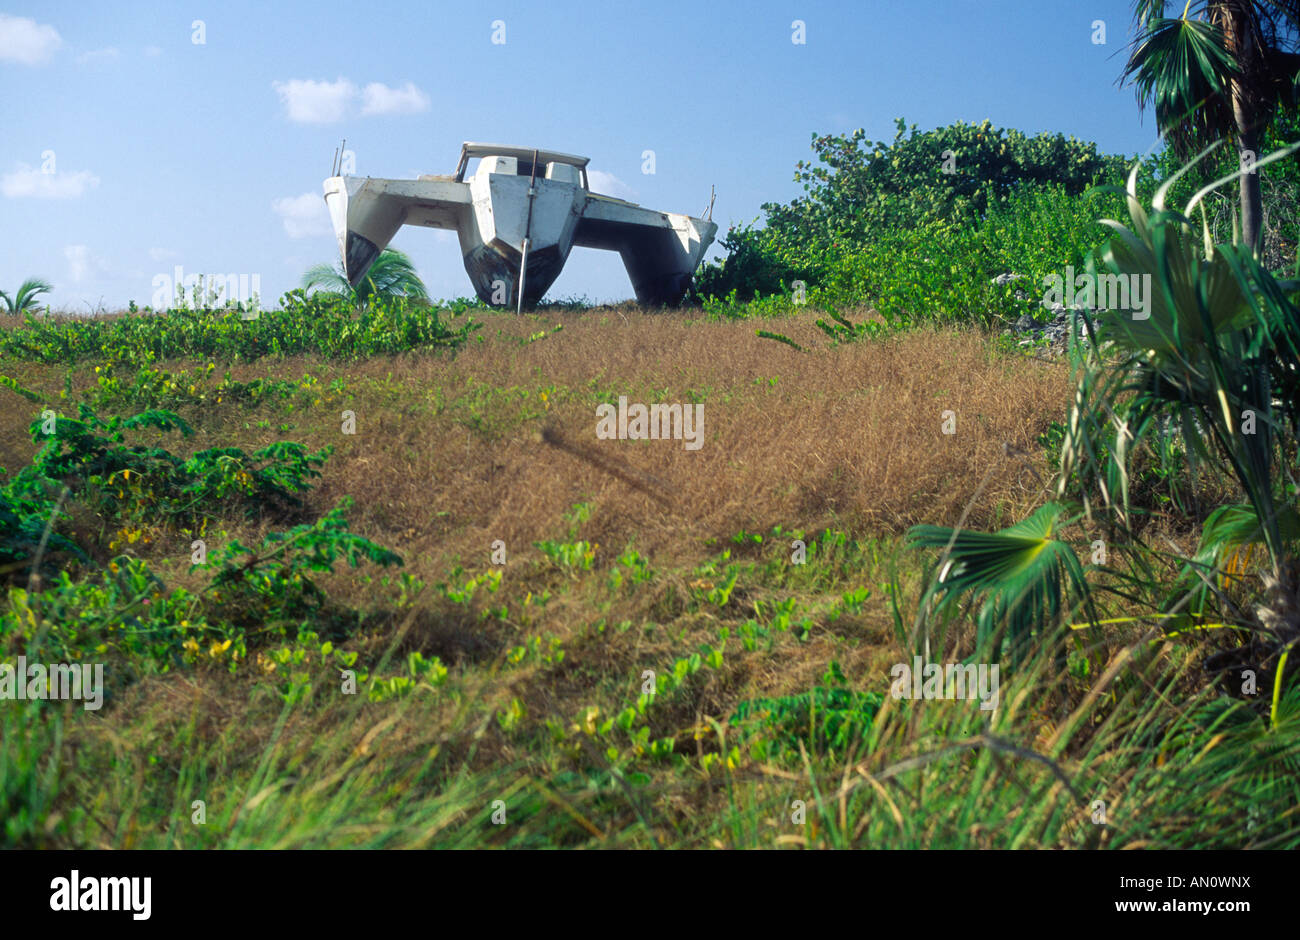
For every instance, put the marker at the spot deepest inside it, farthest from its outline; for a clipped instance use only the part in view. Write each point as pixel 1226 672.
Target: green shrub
pixel 922 202
pixel 253 597
pixel 24 519
pixel 324 325
pixel 135 483
pixel 271 584
pixel 828 719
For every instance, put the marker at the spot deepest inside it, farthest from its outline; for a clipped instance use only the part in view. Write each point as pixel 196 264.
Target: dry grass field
pixel 623 559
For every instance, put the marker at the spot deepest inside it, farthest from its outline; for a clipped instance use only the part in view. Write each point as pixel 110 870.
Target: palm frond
pixel 1183 69
pixel 1024 577
pixel 326 279
pixel 1146 12
pixel 1231 528
pixel 28 291
pixel 391 275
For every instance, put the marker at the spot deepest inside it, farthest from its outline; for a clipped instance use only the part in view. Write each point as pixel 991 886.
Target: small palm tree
pixel 1020 576
pixel 1214 363
pixel 1220 71
pixel 25 299
pixel 392 275
pixel 1211 363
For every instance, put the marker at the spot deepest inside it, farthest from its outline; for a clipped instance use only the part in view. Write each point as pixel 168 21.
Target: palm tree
pixel 1220 74
pixel 392 275
pixel 1211 364
pixel 1214 364
pixel 25 299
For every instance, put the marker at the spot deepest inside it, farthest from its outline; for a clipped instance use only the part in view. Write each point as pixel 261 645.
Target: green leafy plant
pixel 272 582
pixel 825 719
pixel 25 298
pixel 1023 576
pixel 136 483
pixel 325 325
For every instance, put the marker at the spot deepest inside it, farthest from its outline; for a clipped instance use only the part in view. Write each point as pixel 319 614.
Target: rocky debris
pixel 1055 331
pixel 1031 328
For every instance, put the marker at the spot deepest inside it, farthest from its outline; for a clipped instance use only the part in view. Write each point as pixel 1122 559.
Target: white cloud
pixel 307 101
pixel 98 56
pixel 25 41
pixel 82 263
pixel 304 216
pixel 312 102
pixel 380 99
pixel 30 182
pixel 610 185
pixel 151 51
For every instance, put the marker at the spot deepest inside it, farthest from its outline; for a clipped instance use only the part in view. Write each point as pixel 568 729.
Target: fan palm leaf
pixel 1183 68
pixel 1023 576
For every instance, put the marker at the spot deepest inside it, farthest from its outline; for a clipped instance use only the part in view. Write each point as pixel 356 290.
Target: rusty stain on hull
pixel 494 271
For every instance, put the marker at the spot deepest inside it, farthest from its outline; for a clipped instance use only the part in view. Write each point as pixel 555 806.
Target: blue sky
pixel 211 155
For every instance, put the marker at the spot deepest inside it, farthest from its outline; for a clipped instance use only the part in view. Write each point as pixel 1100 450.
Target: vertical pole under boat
pixel 528 231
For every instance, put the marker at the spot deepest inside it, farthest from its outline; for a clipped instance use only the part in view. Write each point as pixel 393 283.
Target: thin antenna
pixel 528 232
pixel 708 213
pixel 334 163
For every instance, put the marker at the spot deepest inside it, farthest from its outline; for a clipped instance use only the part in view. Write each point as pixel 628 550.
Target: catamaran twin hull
pixel 517 218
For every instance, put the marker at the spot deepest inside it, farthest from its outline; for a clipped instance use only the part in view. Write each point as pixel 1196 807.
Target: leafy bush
pixel 125 609
pixel 271 584
pixel 325 325
pixel 253 597
pixel 830 719
pixel 922 202
pixel 134 483
pixel 24 520
pixel 158 388
pixel 954 174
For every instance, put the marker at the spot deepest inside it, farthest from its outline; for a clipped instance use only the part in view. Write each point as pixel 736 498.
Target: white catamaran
pixel 517 218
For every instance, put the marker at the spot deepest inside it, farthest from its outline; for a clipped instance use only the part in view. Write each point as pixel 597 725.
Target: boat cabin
pixel 518 161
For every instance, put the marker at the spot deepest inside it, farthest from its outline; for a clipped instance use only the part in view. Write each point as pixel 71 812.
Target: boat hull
pixel 494 215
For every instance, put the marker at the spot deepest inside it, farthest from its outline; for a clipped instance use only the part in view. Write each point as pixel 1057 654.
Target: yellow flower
pixel 191 645
pixel 218 648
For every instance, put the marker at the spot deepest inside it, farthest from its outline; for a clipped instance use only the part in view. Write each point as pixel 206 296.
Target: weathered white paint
pixel 490 214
